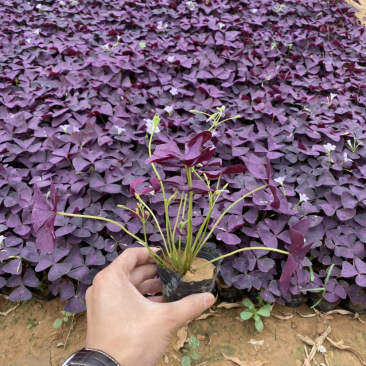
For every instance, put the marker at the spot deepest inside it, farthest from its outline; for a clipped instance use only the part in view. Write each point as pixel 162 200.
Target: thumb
pixel 190 307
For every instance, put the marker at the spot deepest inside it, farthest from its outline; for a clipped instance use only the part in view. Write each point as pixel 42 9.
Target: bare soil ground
pixel 28 338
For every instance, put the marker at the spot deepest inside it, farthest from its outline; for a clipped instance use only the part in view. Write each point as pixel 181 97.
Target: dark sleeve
pixel 90 357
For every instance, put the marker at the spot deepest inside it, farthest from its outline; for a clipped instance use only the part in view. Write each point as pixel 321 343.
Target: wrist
pixel 90 357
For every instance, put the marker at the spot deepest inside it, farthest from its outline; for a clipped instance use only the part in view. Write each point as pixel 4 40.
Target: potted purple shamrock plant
pixel 185 263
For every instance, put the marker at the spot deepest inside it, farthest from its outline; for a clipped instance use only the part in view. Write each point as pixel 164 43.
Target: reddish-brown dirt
pixel 28 338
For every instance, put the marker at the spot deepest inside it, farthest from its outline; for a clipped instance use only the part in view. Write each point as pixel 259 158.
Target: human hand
pixel 133 329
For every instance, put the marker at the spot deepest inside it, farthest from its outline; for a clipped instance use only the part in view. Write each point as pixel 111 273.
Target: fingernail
pixel 208 300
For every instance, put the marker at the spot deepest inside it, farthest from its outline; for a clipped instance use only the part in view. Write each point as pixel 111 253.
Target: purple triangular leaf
pixel 30 279
pixel 348 270
pixel 296 255
pixel 20 294
pixel 74 306
pixel 58 270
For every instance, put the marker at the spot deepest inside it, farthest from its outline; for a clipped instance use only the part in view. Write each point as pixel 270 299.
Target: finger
pixel 131 258
pixel 190 307
pixel 143 273
pixel 155 299
pixel 150 287
pixel 88 296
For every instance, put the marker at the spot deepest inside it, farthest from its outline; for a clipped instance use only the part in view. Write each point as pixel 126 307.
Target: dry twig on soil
pixel 340 345
pixel 318 342
pixel 6 313
pixel 228 305
pixel 182 337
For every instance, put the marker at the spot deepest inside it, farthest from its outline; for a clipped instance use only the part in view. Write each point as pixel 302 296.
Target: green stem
pixel 104 219
pixel 177 218
pixel 170 244
pixel 203 229
pixel 144 229
pixel 228 209
pixel 187 252
pixel 242 250
pixel 153 216
pixel 151 252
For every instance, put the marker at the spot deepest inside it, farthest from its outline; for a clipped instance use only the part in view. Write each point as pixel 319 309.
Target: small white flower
pixel 161 26
pixel 190 5
pixel 303 197
pixel 118 38
pixel 170 59
pixel 37 32
pixel 28 40
pixel 62 3
pixel 75 129
pixel 345 158
pixel 39 6
pixel 280 180
pixel 173 91
pixel 254 11
pixel 73 2
pixel 321 349
pixel 2 238
pixel 169 109
pixel 64 128
pixel 119 130
pixel 150 127
pixel 332 96
pixel 152 193
pixel 106 47
pixel 329 147
pixel 220 25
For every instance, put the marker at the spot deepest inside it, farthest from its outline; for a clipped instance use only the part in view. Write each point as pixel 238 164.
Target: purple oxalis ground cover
pixel 80 82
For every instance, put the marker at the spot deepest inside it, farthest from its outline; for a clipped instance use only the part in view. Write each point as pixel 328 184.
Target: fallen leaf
pixel 200 337
pixel 306 315
pixel 342 312
pixel 166 359
pixel 175 356
pixel 323 315
pixel 205 316
pixel 286 317
pixel 230 305
pixel 6 313
pixel 182 337
pixel 242 363
pixel 285 314
pixel 340 345
pixel 357 316
pixel 318 341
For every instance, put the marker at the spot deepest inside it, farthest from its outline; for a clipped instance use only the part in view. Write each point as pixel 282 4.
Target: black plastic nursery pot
pixel 228 293
pixel 324 305
pixel 354 308
pixel 173 286
pixel 297 300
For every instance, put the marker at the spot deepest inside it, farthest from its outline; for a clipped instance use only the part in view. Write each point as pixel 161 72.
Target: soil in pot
pixel 297 300
pixel 175 287
pixel 324 305
pixel 228 293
